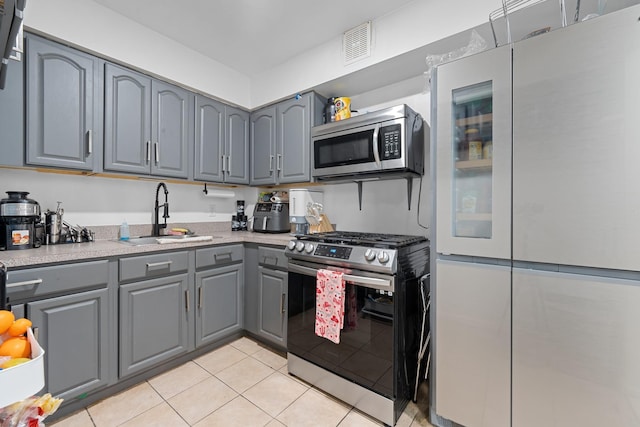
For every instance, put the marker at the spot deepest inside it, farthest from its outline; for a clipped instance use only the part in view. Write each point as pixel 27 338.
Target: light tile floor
pixel 240 384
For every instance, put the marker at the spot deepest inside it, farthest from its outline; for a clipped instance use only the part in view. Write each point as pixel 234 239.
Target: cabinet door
pixel 127 116
pixel 473 155
pixel 237 146
pixel 153 322
pixel 576 134
pixel 575 350
pixel 272 288
pixel 263 146
pixel 73 331
pixel 171 122
pixel 64 106
pixel 219 300
pixel 210 134
pixel 473 343
pixel 12 116
pixel 293 161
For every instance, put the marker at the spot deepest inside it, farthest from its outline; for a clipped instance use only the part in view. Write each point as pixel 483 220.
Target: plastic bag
pixel 29 412
pixel 476 44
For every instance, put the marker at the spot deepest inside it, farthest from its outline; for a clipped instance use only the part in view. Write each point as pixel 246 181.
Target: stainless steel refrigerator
pixel 536 164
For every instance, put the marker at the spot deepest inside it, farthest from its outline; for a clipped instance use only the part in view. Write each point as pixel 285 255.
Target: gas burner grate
pixel 365 239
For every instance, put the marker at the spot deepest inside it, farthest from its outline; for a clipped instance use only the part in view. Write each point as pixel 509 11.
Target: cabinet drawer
pixel 220 255
pixel 148 266
pixel 36 282
pixel 272 257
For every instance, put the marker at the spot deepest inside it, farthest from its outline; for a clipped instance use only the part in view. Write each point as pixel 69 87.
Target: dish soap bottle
pixel 124 231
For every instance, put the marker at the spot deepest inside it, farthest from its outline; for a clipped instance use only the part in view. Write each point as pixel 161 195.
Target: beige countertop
pixel 68 252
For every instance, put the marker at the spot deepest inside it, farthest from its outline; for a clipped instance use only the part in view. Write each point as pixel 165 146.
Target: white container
pixel 25 380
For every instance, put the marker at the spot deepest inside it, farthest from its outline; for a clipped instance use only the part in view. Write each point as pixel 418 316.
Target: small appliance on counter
pixel 301 199
pixel 239 220
pixel 19 218
pixel 271 217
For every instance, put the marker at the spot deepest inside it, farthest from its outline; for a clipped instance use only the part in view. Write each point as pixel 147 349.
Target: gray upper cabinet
pixel 293 140
pixel 127 124
pixel 147 125
pixel 263 146
pixel 64 106
pixel 237 146
pixel 222 142
pixel 171 124
pixel 210 121
pixel 281 140
pixel 12 116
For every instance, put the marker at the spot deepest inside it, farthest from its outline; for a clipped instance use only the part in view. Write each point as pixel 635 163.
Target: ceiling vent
pixel 356 43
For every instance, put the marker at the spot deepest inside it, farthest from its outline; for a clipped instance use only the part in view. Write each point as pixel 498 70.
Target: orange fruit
pixel 16 347
pixel 19 327
pixel 6 320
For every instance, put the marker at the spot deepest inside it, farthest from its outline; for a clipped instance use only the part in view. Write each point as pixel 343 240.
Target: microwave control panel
pixel 391 138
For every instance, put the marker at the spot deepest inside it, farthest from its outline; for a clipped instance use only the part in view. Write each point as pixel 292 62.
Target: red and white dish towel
pixel 330 290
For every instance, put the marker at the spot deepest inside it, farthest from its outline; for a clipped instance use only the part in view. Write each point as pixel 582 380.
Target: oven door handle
pixel 369 282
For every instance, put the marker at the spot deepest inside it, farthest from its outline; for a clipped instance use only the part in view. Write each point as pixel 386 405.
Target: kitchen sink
pixel 154 240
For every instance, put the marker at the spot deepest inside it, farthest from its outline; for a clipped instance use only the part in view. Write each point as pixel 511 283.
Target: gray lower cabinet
pixel 73 330
pixel 222 142
pixel 147 125
pixel 219 290
pixel 154 309
pixel 266 294
pixel 71 307
pixel 281 140
pixel 63 106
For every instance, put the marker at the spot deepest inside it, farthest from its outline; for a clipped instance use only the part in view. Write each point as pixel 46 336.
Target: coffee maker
pixel 299 199
pixel 19 219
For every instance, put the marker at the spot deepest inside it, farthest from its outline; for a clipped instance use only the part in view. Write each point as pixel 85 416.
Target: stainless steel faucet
pixel 156 212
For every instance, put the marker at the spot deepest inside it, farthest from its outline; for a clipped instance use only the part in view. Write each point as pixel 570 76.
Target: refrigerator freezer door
pixel 473 155
pixel 473 343
pixel 576 144
pixel 575 350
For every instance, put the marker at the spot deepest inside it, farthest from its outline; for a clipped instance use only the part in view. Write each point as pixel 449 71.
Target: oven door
pixel 366 350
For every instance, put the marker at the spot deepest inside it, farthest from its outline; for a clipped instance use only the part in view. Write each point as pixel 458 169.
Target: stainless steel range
pixel 374 366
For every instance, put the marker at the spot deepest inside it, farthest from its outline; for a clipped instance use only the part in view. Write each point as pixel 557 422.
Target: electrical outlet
pixel 212 210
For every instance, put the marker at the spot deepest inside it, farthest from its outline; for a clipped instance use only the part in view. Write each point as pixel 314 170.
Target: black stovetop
pixel 364 239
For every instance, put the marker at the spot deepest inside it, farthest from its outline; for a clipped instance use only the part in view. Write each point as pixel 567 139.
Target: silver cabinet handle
pixel 159 264
pixel 200 298
pixel 187 305
pixel 271 157
pixel 282 310
pixel 225 255
pixel 148 151
pixel 279 162
pixel 222 167
pixel 229 164
pixel 376 154
pixel 157 153
pixel 33 282
pixel 89 142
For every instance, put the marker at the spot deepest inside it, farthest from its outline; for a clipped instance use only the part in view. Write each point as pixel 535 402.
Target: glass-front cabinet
pixel 472 97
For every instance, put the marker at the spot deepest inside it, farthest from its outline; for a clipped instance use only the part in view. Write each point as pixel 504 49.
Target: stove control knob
pixel 370 255
pixel 383 257
pixel 291 245
pixel 299 246
pixel 308 248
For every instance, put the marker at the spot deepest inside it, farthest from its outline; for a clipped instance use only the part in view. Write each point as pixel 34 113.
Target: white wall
pixel 418 24
pixel 90 200
pixel 89 25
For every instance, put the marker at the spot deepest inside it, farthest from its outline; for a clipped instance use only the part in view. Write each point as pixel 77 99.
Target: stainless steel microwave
pixel 388 143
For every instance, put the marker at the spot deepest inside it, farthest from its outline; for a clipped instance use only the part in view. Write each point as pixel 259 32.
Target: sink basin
pixel 155 240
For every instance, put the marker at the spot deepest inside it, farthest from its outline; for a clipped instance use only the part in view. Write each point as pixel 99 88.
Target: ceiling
pixel 251 36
